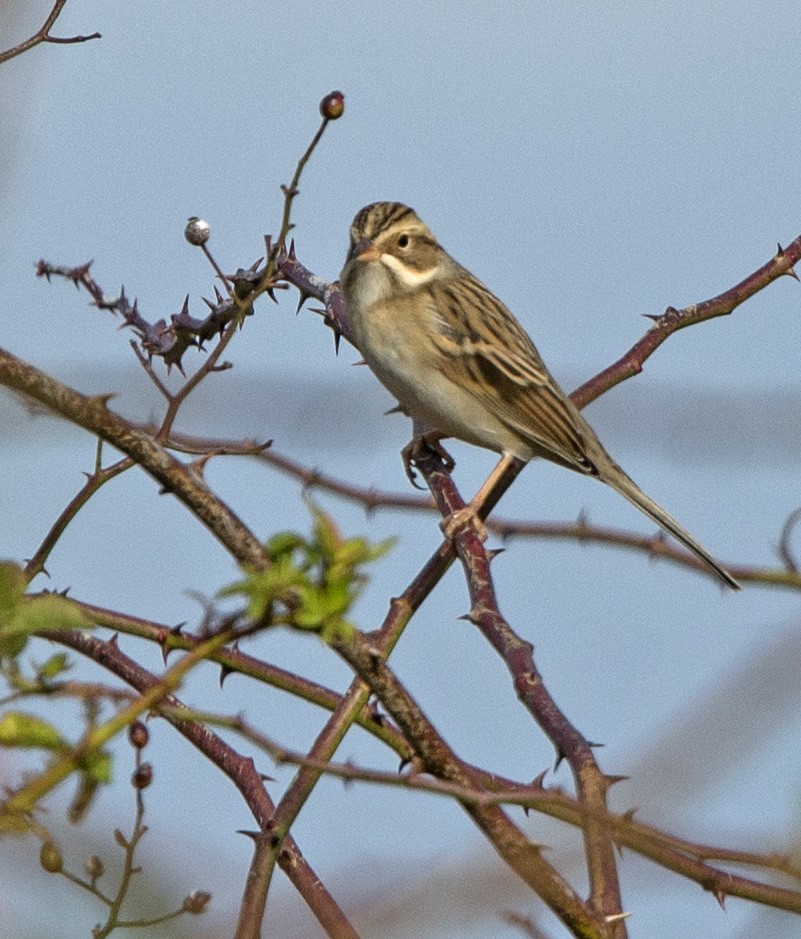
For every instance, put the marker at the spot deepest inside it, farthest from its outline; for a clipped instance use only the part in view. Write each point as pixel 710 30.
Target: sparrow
pixel 460 364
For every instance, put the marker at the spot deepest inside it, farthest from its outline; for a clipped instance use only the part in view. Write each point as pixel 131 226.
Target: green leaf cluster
pixel 21 615
pixel 311 582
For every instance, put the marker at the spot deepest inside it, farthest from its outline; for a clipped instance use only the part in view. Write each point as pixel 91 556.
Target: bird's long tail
pixel 615 477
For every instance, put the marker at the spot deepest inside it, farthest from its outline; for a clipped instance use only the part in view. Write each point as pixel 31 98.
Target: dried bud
pixel 138 735
pixel 197 231
pixel 50 858
pixel 333 106
pixel 94 867
pixel 197 901
pixel 142 776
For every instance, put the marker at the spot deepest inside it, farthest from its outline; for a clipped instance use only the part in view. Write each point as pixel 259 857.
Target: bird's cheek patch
pixel 405 275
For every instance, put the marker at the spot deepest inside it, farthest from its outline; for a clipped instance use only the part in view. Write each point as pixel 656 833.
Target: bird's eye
pixel 403 241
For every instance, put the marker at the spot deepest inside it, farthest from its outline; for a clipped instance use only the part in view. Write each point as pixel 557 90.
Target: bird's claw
pixel 416 449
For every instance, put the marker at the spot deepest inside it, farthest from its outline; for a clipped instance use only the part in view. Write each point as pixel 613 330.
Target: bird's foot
pixel 464 518
pixel 418 448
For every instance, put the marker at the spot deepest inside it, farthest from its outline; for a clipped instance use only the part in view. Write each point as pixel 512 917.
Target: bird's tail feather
pixel 615 477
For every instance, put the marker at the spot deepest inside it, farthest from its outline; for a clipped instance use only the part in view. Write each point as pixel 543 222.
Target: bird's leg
pixel 470 514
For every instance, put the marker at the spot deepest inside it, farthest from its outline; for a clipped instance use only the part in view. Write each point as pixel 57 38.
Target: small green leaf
pixel 54 666
pixel 21 615
pixel 48 612
pixel 97 766
pixel 12 588
pixel 20 729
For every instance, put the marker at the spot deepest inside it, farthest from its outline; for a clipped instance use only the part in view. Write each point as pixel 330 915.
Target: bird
pixel 461 365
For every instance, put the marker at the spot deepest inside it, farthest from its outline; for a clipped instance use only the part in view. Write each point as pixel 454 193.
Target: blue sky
pixel 591 163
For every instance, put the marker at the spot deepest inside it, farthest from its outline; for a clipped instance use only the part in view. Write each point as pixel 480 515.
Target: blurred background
pixel 591 163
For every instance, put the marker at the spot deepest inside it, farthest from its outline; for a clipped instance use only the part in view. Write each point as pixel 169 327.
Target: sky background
pixel 591 163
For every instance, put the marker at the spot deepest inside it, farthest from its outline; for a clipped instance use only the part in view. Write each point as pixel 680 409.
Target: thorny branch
pixel 239 769
pixel 169 341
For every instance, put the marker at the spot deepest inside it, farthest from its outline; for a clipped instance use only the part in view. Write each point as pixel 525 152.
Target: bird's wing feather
pixel 498 363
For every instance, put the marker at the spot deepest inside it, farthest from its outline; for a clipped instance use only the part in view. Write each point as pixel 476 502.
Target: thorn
pixel 720 896
pixel 360 362
pixel 255 835
pixel 337 337
pixel 292 256
pixel 611 780
pixel 473 616
pixel 199 464
pixel 115 639
pixel 779 250
pixel 175 631
pixel 265 778
pixel 784 550
pixel 396 410
pixel 301 300
pixel 538 782
pixel 225 671
pixel 218 295
pixel 616 917
pixel 651 316
pixel 629 814
pixel 594 743
pixel 790 272
pixel 103 399
pixel 493 553
pixel 560 755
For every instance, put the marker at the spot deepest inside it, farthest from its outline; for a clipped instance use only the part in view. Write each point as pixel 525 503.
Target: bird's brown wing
pixel 494 359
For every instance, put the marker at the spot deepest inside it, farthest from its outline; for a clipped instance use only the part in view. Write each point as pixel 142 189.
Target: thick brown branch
pixel 517 653
pixel 92 414
pixel 436 757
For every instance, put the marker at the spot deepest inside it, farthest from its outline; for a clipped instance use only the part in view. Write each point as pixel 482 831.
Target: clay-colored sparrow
pixel 460 364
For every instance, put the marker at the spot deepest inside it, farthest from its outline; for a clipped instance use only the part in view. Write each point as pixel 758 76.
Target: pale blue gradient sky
pixel 590 163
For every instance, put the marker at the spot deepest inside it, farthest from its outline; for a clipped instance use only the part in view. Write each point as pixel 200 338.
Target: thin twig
pixel 43 35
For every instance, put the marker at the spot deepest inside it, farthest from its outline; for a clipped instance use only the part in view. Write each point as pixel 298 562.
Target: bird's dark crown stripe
pixel 375 218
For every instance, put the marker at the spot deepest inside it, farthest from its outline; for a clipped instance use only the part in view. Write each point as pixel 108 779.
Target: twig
pixel 100 476
pixel 43 35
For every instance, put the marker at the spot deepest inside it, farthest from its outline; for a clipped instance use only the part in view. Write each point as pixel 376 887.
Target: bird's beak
pixel 365 251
